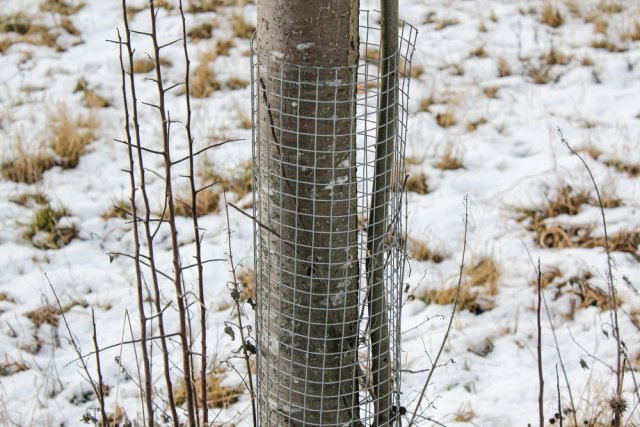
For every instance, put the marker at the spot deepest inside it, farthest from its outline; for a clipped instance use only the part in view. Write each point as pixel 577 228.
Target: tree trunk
pixel 308 271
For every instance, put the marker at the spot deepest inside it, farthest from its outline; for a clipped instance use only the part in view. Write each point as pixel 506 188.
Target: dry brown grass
pixel 479 52
pixel 555 57
pixel 420 251
pixel 551 16
pixel 30 199
pixel 60 6
pixel 473 125
pixel 20 28
pixel 203 81
pixel 600 26
pixel 504 69
pixel 90 96
pixel 119 209
pixel 240 27
pixel 235 83
pixel 620 166
pixel 444 23
pixel 144 65
pixel 608 44
pixel 69 135
pixel 565 201
pixel 11 367
pixel 200 6
pixel 218 395
pixel 541 74
pixel 208 201
pixel 45 230
pixel 478 287
pixel 610 6
pixel 561 236
pixel 633 34
pixel 246 282
pixel 417 183
pixel 47 314
pixel 26 167
pixel 239 181
pixel 446 119
pixel 449 161
pixel 491 92
pixel 579 285
pixel 201 32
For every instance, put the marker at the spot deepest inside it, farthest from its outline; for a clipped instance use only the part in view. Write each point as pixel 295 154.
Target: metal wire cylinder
pixel 314 178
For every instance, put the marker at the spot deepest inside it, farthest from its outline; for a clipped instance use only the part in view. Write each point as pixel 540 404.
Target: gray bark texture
pixel 307 202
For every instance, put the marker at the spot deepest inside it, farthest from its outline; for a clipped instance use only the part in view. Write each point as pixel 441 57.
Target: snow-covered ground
pixel 492 85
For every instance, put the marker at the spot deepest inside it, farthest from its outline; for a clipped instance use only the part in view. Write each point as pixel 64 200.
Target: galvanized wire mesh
pixel 319 354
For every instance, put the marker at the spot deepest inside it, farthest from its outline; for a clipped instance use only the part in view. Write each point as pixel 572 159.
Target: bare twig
pixel 619 371
pixel 539 346
pixel 236 299
pixel 434 363
pixel 105 419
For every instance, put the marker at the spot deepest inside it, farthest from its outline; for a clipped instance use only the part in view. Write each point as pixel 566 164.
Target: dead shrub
pixel 417 183
pixel 69 135
pixel 478 287
pixel 26 167
pixel 551 16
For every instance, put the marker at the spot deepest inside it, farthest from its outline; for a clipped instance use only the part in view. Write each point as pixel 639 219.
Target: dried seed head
pixel 618 405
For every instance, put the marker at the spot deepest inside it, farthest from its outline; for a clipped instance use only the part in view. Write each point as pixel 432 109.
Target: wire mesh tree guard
pixel 328 350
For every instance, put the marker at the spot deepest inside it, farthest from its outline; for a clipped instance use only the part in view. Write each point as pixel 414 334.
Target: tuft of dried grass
pixel 9 367
pixel 551 16
pixel 449 161
pixel 444 23
pixel 420 251
pixel 417 183
pixel 203 82
pixel 69 135
pixel 240 27
pixel 633 34
pixel 26 167
pixel 142 66
pixel 119 209
pixel 47 314
pixel 478 287
pixel 446 119
pixel 201 6
pixel 22 29
pixel 45 230
pixel 239 181
pixel 207 201
pixel 504 69
pixel 479 52
pixel 579 286
pixel 60 6
pixel 607 44
pixel 610 6
pixel 540 75
pixel 218 395
pixel 90 96
pixel 246 281
pixel 200 32
pixel 491 92
pixel 561 236
pixel 473 125
pixel 555 57
pixel 620 166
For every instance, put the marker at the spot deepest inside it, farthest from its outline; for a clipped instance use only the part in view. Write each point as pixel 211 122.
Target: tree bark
pixel 308 271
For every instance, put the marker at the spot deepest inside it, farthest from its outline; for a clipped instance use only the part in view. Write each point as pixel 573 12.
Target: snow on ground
pixel 492 84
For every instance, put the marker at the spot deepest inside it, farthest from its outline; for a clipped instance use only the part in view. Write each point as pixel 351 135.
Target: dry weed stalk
pixel 617 401
pixel 445 338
